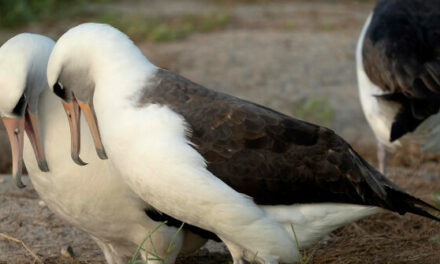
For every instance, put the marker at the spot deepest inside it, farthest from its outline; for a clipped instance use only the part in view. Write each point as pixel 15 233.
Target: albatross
pixel 93 198
pixel 398 70
pixel 245 172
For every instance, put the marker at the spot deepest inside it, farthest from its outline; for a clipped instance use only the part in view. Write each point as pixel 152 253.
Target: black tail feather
pixel 402 203
pixel 390 196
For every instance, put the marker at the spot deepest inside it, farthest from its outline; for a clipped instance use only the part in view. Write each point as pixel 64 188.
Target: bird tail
pixel 403 202
pixel 392 197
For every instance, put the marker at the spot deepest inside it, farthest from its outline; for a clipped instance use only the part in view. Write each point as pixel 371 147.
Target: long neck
pixel 122 77
pixel 117 88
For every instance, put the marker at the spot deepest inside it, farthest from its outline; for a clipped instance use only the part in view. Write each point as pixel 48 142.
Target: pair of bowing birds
pixel 231 170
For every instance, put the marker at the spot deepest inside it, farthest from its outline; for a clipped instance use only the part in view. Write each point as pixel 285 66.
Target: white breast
pixel 93 197
pixel 379 114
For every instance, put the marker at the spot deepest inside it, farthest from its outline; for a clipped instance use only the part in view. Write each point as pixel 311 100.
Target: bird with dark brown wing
pixel 237 169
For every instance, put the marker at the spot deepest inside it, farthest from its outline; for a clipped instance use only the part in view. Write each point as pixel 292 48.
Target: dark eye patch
pixel 59 91
pixel 20 106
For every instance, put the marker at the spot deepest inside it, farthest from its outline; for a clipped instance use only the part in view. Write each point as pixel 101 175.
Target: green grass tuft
pixel 135 257
pixel 436 239
pixel 304 259
pixel 140 27
pixel 314 109
pixel 154 255
pixel 289 24
pixel 327 26
pixel 14 13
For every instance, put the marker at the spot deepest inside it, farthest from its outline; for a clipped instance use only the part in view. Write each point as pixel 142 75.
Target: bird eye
pixel 58 86
pixel 58 89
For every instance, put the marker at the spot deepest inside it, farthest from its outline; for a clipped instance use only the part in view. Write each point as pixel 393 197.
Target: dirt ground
pixel 287 55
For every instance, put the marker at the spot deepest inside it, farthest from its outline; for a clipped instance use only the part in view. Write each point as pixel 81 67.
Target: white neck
pixel 118 87
pixel 121 77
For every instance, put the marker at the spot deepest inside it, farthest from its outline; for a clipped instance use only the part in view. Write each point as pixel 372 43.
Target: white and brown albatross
pixel 93 198
pixel 398 69
pixel 215 161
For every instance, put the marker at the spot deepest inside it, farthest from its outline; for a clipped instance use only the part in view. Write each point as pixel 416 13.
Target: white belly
pixel 93 197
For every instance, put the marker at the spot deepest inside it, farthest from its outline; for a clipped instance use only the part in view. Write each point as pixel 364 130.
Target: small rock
pixel 429 176
pixel 67 252
pixel 325 240
pixel 2 180
pixel 41 203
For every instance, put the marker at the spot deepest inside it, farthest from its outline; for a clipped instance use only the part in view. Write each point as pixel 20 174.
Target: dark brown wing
pixel 269 156
pixel 401 53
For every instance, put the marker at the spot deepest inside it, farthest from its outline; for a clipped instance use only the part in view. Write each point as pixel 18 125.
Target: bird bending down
pixel 398 69
pixel 240 170
pixel 93 198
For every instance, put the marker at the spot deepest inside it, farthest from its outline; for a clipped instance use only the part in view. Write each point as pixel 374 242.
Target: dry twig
pixel 37 259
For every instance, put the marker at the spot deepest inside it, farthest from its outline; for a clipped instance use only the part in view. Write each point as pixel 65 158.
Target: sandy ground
pixel 278 54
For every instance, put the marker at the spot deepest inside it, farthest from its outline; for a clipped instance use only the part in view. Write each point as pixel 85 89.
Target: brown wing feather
pixel 267 155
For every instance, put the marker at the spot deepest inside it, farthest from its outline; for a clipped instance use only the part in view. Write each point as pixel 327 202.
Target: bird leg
pixel 238 260
pixel 382 155
pixel 235 250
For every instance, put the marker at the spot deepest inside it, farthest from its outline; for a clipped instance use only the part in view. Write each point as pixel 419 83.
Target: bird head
pixel 23 61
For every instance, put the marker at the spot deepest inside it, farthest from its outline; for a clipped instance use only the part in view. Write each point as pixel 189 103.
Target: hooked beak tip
pixel 77 159
pixel 101 154
pixel 17 180
pixel 42 164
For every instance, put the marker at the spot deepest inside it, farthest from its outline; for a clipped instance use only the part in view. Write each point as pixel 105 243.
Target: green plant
pixel 327 26
pixel 289 24
pixel 436 198
pixel 139 247
pixel 254 258
pixel 154 255
pixel 171 246
pixel 18 12
pixel 436 239
pixel 165 29
pixel 304 259
pixel 314 109
pixel 208 22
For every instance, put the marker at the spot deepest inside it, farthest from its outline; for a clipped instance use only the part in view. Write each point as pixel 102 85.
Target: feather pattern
pixel 401 56
pixel 273 158
pixel 199 156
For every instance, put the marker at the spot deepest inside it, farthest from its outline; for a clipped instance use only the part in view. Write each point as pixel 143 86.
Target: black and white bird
pixel 240 170
pixel 93 198
pixel 398 69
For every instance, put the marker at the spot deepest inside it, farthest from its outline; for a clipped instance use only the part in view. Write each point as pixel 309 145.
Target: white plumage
pixel 93 198
pixel 149 146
